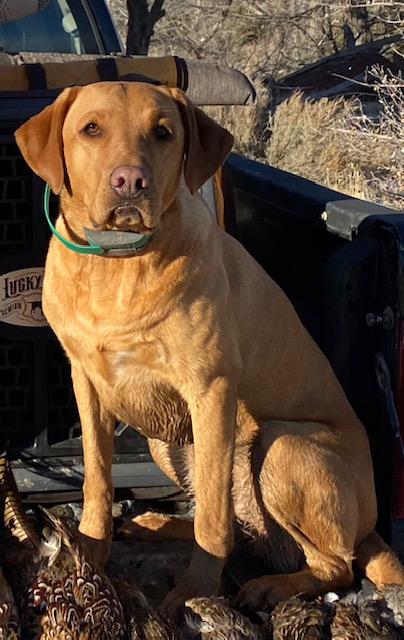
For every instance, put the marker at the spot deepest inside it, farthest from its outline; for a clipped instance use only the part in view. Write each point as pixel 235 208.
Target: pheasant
pixel 61 594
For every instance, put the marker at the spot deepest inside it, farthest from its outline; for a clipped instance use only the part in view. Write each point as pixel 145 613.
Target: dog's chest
pixel 141 394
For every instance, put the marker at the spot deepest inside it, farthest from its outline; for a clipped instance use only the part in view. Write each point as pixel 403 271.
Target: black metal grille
pixel 16 224
pixel 17 401
pixel 38 412
pixel 63 417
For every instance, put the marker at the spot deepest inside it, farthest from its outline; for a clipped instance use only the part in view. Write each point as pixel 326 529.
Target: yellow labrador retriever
pixel 192 343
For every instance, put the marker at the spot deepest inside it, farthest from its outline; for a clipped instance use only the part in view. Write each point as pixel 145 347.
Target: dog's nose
pixel 129 181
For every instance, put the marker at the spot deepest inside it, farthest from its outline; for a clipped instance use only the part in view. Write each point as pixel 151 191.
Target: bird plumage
pixel 143 621
pixel 214 619
pixel 61 593
pixel 300 619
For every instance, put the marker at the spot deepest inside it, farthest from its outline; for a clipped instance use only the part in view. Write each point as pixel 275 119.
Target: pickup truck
pixel 340 260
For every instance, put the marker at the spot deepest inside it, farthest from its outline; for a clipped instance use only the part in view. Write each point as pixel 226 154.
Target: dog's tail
pixel 378 562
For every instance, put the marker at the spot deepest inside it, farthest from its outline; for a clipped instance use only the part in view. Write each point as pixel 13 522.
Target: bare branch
pixel 141 24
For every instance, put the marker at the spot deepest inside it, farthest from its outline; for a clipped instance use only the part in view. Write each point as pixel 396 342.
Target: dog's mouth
pixel 127 217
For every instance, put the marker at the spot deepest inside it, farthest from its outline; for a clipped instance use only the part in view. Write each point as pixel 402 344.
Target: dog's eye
pixel 162 132
pixel 91 129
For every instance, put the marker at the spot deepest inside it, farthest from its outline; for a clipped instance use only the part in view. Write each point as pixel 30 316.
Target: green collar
pixel 107 243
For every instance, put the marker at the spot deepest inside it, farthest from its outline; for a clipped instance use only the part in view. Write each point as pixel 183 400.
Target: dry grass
pixel 248 126
pixel 377 145
pixel 306 140
pixel 330 141
pixel 334 143
pixel 303 140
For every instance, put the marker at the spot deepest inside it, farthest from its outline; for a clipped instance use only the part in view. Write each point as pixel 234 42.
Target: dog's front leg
pixel 98 435
pixel 213 413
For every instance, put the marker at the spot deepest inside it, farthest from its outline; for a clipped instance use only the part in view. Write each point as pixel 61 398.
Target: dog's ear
pixel 207 144
pixel 40 140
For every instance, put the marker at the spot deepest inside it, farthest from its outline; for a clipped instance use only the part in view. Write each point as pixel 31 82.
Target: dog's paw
pixel 175 601
pixel 260 594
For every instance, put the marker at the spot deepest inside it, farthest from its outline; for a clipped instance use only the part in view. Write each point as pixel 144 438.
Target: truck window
pixel 63 26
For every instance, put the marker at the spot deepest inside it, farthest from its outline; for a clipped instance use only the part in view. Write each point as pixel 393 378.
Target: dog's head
pixel 119 149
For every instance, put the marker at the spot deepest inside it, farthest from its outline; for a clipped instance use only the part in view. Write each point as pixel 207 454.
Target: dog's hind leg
pixel 314 492
pixel 320 575
pixel 378 562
